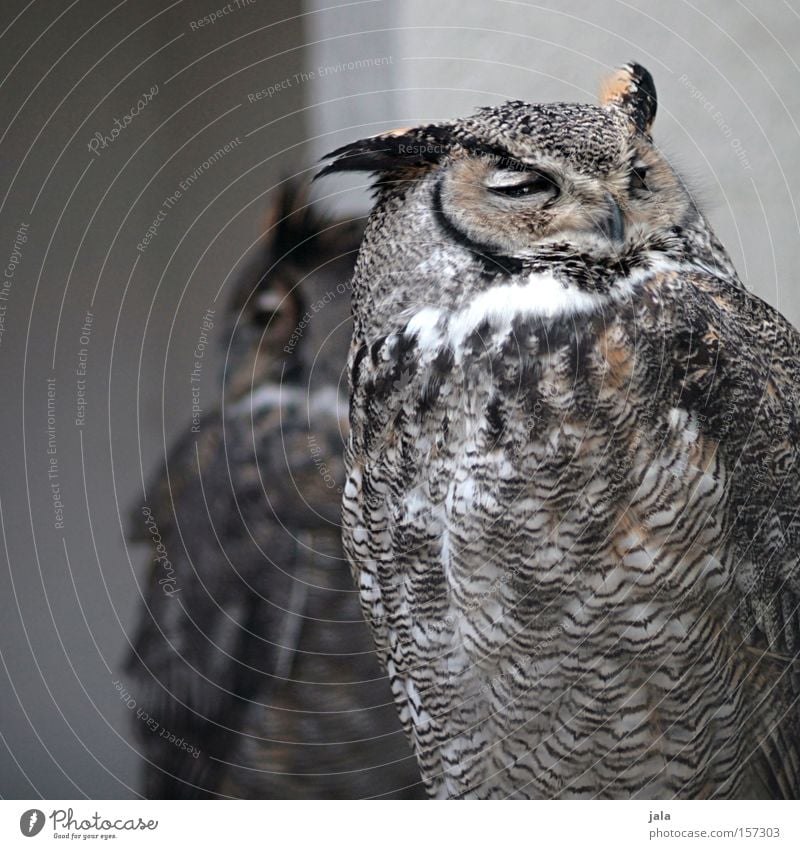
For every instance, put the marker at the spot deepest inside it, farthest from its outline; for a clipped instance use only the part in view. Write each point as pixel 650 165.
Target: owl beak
pixel 613 224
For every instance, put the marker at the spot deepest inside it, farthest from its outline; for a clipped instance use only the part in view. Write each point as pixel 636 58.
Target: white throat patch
pixel 543 296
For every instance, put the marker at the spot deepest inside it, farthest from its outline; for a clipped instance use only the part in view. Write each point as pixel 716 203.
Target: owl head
pixel 576 188
pixel 289 313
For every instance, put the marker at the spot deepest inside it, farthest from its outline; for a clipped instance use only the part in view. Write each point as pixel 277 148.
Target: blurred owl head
pixel 290 309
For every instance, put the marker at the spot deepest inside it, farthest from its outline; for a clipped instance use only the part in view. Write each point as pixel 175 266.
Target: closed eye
pixel 639 178
pixel 530 184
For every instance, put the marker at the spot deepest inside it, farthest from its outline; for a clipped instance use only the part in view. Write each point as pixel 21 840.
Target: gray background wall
pixel 728 83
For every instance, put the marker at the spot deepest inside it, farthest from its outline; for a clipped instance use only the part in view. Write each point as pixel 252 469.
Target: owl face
pixel 522 180
pixel 516 195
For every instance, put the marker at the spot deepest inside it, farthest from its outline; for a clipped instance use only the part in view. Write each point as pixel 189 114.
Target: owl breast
pixel 538 531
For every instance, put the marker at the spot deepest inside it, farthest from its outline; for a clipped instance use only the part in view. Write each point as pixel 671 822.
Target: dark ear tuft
pixel 631 88
pixel 397 150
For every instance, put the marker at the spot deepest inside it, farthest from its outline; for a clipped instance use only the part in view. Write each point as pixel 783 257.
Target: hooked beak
pixel 612 226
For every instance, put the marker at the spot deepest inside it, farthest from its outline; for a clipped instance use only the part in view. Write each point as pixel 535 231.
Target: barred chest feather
pixel 540 530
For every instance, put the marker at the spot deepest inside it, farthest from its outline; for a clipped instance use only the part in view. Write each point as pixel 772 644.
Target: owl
pixel 572 470
pixel 253 669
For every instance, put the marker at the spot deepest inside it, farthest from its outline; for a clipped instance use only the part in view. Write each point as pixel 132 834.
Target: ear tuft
pixel 396 150
pixel 631 89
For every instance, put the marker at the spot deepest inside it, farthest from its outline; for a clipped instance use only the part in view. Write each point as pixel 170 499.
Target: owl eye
pixel 266 307
pixel 527 184
pixel 639 178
